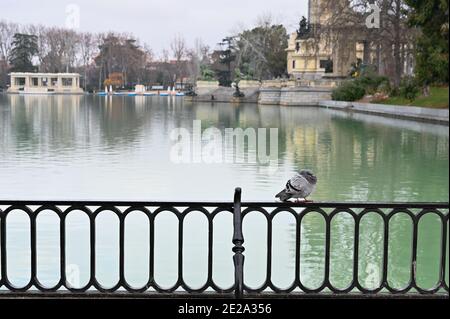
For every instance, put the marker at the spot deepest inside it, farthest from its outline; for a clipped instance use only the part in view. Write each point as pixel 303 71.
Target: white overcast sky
pixel 155 22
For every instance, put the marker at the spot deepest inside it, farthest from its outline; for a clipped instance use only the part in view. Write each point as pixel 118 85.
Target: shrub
pixel 409 89
pixel 385 87
pixel 349 91
pixel 372 82
pixel 206 74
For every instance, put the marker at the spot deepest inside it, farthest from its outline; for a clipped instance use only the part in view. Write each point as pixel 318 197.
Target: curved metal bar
pixel 84 209
pixel 93 223
pixel 301 216
pixel 437 287
pixel 6 282
pixel 207 215
pixel 2 247
pixel 213 285
pixel 352 284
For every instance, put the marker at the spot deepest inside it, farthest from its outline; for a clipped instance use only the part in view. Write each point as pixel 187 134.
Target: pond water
pixel 119 148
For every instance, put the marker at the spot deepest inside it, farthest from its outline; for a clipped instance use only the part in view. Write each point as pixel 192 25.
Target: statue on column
pixel 304 28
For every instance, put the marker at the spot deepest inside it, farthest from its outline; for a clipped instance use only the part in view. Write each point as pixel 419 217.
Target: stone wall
pixel 270 84
pixel 248 84
pixel 397 111
pixel 206 87
pixel 269 96
pixel 224 94
pixel 293 96
pixel 303 96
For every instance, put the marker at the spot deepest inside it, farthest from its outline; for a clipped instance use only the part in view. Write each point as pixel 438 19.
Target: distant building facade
pixel 41 83
pixel 310 55
pixel 324 47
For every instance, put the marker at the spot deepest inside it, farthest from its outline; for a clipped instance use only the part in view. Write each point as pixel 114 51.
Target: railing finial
pixel 238 241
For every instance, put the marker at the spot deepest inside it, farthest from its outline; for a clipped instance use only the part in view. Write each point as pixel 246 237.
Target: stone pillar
pixel 13 82
pixel 313 11
pixel 59 84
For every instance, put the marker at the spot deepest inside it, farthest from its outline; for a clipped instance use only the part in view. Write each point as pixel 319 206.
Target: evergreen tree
pixel 227 58
pixel 25 47
pixel 431 16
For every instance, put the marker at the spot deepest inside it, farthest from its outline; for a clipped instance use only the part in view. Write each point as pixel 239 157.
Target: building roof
pixel 43 74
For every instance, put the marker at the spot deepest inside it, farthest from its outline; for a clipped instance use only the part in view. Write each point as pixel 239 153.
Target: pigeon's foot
pixel 302 201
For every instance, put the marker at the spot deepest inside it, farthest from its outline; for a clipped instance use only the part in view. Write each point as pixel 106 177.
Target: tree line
pixel 96 57
pixel 409 32
pixel 123 60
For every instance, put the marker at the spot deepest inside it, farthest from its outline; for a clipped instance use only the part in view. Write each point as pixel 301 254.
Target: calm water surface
pixel 111 148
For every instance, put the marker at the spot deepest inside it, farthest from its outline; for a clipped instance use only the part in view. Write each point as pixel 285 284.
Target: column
pixel 13 82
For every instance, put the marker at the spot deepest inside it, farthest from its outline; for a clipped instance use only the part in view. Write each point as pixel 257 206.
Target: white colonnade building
pixel 42 83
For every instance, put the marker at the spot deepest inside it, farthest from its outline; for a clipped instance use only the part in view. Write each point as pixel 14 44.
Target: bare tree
pixel 7 31
pixel 178 48
pixel 143 72
pixel 343 24
pixel 165 55
pixel 58 48
pixel 179 52
pixel 121 53
pixel 88 46
pixel 72 44
pixel 199 55
pixel 97 55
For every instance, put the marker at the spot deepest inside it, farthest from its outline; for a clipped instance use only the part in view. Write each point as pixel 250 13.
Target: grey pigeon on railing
pixel 299 187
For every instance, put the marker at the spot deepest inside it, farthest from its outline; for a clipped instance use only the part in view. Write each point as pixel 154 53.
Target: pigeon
pixel 299 187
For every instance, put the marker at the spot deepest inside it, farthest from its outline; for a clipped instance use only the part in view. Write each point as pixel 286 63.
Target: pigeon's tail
pixel 283 196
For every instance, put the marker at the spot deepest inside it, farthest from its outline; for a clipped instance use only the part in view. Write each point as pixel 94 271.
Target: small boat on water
pixel 179 94
pixel 104 93
pixel 164 94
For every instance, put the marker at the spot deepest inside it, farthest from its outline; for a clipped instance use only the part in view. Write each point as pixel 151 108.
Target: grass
pixel 438 99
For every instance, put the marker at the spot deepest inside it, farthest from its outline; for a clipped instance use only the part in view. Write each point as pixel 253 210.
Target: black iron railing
pixel 386 211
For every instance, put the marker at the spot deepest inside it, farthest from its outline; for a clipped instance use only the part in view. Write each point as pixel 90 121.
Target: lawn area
pixel 438 99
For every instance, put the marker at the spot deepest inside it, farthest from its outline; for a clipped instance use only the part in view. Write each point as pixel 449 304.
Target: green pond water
pixel 119 148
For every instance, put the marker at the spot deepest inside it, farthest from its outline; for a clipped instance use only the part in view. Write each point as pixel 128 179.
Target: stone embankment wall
pixel 212 92
pixel 294 96
pixel 290 93
pixel 398 111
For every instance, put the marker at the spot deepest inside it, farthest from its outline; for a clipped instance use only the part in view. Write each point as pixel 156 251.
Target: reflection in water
pixel 89 147
pixel 77 147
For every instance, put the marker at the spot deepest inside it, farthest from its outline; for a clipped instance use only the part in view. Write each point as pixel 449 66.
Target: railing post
pixel 238 249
